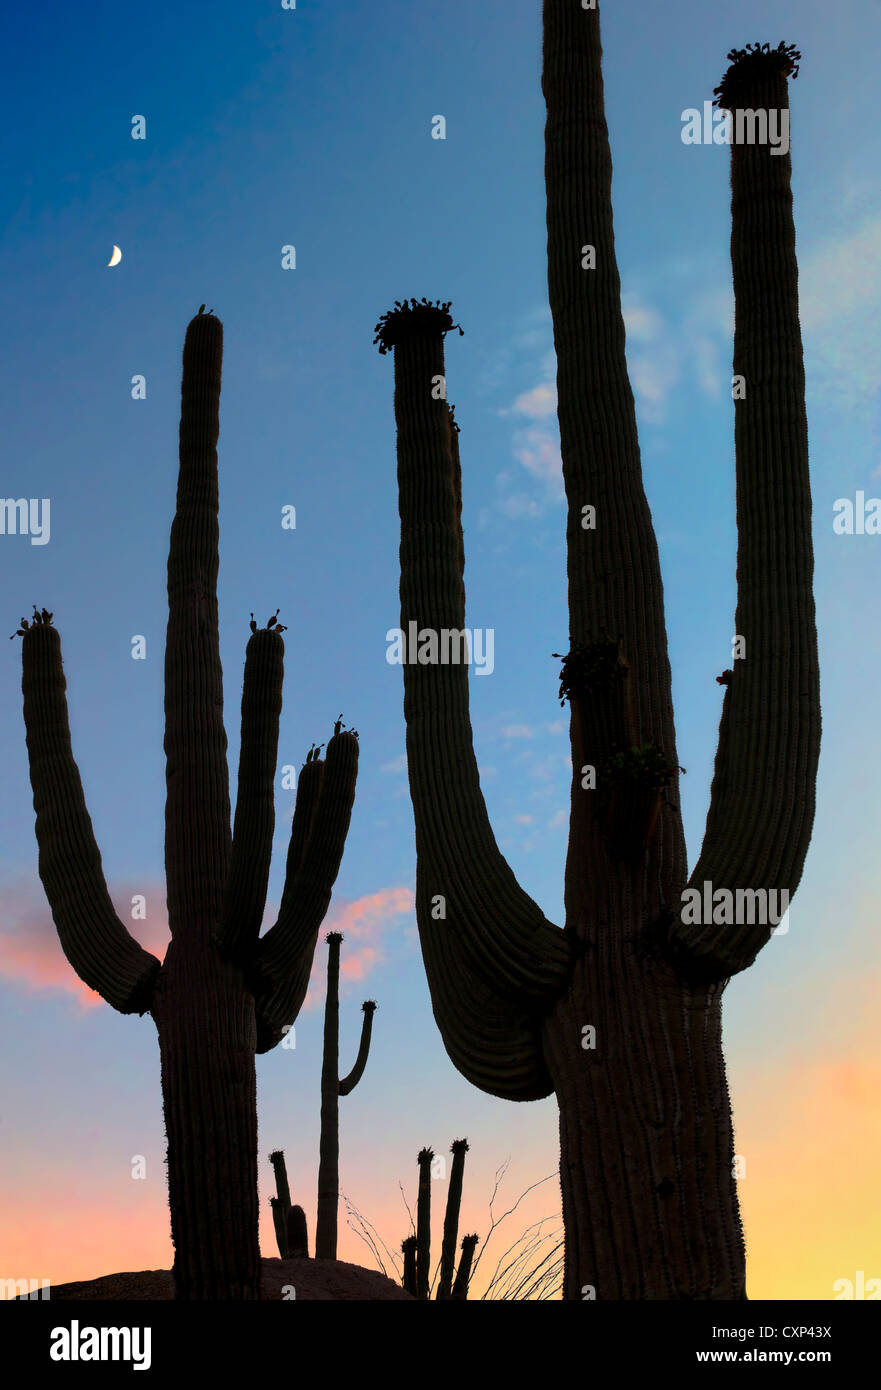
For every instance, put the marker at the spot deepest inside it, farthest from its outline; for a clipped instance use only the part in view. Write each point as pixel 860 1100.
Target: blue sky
pixel 312 127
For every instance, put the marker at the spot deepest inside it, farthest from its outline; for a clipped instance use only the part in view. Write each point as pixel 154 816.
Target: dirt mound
pixel 312 1280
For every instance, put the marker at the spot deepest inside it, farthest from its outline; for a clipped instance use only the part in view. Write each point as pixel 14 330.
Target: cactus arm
pixel 245 895
pixel 197 813
pixel 329 1144
pixel 278 1005
pixel 463 1274
pixel 451 1219
pixel 504 936
pixel 615 585
pixel 100 949
pixel 493 960
pixel 408 1246
pixel 496 1046
pixel 288 946
pixel 279 1221
pixel 423 1224
pixel 763 793
pixel 349 1082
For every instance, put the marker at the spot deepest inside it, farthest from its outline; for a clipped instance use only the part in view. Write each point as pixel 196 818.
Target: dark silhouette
pixel 222 992
pixel 620 1013
pixel 331 1090
pixel 417 1248
pixel 290 1222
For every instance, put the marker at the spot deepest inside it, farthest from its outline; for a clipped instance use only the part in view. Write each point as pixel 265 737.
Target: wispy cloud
pixel 394 765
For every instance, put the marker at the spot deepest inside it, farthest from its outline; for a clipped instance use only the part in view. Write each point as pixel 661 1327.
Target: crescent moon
pixel 116 257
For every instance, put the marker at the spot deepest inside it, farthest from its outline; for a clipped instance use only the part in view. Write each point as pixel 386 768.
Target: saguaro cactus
pixel 620 1013
pixel 417 1249
pixel 222 992
pixel 289 1221
pixel 331 1090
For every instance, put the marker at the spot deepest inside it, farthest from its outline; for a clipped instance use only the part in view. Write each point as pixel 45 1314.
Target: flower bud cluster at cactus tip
pixel 40 619
pixel 753 63
pixel 411 317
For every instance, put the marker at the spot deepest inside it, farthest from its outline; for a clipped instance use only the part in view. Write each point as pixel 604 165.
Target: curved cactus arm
pixel 288 947
pixel 459 1148
pixel 349 1082
pixel 498 933
pixel 615 586
pixel 100 949
pixel 197 813
pixel 245 895
pixel 495 1045
pixel 762 799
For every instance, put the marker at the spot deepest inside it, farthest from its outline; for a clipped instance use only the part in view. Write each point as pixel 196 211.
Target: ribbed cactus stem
pixel 279 1221
pixel 463 1273
pixel 329 1144
pixel 282 1189
pixel 423 1224
pixel 408 1246
pixel 281 1203
pixel 458 1149
pixel 297 1236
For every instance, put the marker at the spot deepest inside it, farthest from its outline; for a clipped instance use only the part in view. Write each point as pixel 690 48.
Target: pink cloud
pixel 365 924
pixel 31 954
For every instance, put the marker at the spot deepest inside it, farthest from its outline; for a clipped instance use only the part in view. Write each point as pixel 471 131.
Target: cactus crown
pixel 333 936
pixel 751 64
pixel 589 669
pixel 370 1006
pixel 411 317
pixel 459 1146
pixel 425 1156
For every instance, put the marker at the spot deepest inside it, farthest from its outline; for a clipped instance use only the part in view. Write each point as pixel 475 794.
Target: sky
pixel 312 127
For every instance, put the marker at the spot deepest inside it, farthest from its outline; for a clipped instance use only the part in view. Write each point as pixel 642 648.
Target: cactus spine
pixel 222 992
pixel 649 1199
pixel 331 1090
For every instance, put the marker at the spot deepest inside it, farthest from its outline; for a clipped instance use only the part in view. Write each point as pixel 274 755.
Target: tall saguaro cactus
pixel 331 1090
pixel 620 1013
pixel 222 992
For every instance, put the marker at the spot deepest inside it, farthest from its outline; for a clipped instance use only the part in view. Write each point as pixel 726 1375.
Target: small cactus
pixel 332 1087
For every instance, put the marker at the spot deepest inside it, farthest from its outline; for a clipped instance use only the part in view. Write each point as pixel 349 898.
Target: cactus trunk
pixel 649 1124
pixel 205 1019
